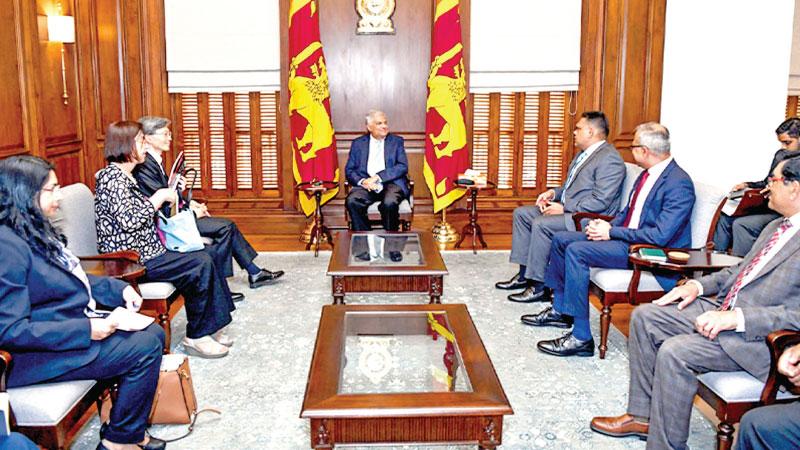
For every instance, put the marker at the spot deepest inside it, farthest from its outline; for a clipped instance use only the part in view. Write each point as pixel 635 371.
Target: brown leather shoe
pixel 620 426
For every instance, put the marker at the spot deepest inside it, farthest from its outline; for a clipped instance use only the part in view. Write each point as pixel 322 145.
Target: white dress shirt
pixel 158 158
pixel 376 160
pixel 654 173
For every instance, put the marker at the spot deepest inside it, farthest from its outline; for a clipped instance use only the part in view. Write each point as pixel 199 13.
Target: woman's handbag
pixel 179 233
pixel 175 402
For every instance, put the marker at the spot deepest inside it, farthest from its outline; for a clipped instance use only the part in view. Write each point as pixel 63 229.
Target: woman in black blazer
pixel 51 320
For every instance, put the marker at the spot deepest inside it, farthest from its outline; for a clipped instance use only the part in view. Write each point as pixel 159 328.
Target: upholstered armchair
pixel 374 215
pixel 51 414
pixel 639 285
pixel 76 221
pixel 731 394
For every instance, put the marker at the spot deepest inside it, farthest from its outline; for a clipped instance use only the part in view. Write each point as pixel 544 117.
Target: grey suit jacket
pixel 771 301
pixel 597 185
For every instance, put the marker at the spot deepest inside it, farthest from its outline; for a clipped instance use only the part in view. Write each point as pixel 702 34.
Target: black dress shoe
pixel 263 277
pixel 396 256
pixel 567 345
pixel 549 317
pixel 363 256
pixel 513 284
pixel 237 296
pixel 152 444
pixel 531 294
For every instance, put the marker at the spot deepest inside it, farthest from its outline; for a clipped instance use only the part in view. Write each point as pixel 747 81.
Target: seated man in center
pixel 593 184
pixel 377 168
pixel 658 213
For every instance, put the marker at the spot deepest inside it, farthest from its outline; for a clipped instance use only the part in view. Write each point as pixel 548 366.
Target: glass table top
pixel 400 353
pixel 389 249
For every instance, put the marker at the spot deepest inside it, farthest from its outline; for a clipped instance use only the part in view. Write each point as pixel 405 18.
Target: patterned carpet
pixel 259 387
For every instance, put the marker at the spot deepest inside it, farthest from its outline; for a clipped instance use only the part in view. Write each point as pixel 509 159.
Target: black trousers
pixel 228 243
pixel 359 199
pixel 207 297
pixel 134 358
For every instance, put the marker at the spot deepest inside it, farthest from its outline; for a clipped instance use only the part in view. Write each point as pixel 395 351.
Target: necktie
pixel 635 196
pixel 730 299
pixel 571 174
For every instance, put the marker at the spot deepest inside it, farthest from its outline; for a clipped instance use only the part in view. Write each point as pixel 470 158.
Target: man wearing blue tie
pixel 658 213
pixel 593 184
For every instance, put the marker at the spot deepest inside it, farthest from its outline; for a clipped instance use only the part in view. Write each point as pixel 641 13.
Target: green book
pixel 653 254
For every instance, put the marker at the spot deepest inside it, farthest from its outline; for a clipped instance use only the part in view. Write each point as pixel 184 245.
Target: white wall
pixel 794 69
pixel 726 65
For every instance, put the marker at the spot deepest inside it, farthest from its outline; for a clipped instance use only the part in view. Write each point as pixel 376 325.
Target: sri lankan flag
pixel 311 131
pixel 446 135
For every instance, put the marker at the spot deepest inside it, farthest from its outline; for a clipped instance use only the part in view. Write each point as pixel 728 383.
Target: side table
pixel 700 260
pixel 318 230
pixel 472 227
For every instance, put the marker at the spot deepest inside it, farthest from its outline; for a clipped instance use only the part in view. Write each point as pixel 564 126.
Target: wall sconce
pixel 61 29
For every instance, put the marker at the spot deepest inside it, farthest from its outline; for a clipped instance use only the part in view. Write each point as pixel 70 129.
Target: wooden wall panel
pixel 109 99
pixel 387 72
pixel 12 138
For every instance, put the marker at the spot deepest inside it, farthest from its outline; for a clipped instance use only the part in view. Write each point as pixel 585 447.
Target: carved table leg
pixel 436 289
pixel 337 286
pixel 489 439
pixel 724 436
pixel 320 437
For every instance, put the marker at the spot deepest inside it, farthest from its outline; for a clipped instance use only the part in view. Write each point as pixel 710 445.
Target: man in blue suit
pixel 376 168
pixel 658 213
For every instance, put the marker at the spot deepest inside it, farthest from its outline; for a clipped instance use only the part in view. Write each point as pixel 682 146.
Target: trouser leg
pixel 554 275
pixel 723 233
pixel 521 233
pixel 542 230
pixel 357 202
pixel 773 427
pixel 227 234
pixel 746 230
pixel 207 297
pixel 135 359
pixel 390 206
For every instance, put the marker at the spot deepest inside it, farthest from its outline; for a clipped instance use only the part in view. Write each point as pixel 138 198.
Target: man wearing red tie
pixel 658 213
pixel 719 324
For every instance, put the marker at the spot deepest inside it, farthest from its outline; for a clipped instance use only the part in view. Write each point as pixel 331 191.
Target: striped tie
pixel 571 174
pixel 635 196
pixel 730 299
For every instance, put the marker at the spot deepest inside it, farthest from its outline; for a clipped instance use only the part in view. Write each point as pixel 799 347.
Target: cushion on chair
pixel 707 199
pixel 46 404
pixel 75 219
pixel 405 207
pixel 632 172
pixel 156 289
pixel 735 387
pixel 617 280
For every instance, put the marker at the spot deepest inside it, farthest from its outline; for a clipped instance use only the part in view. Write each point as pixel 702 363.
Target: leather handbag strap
pixel 191 425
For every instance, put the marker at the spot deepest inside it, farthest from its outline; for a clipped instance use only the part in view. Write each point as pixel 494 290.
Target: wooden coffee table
pixel 362 262
pixel 402 374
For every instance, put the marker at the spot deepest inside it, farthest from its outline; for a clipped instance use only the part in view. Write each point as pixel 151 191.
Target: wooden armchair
pixel 76 220
pixel 639 285
pixel 51 414
pixel 731 394
pixel 374 215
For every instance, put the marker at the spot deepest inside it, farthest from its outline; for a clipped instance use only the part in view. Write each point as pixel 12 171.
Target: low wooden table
pixel 361 262
pixel 402 374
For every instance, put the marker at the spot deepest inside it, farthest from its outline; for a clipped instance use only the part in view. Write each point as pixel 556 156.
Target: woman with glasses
pixel 52 314
pixel 125 220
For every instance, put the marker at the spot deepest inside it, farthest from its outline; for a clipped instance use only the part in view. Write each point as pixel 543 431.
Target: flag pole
pixel 443 232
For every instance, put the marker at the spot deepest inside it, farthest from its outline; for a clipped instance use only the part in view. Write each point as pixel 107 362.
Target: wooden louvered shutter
pixel 216 144
pixel 530 140
pixel 269 102
pixel 792 106
pixel 243 149
pixel 189 132
pixel 505 142
pixel 556 144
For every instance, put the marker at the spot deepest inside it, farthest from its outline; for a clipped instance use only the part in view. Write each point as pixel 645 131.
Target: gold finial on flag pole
pixel 443 232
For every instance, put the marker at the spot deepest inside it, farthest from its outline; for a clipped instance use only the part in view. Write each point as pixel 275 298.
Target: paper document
pixel 177 169
pixel 128 320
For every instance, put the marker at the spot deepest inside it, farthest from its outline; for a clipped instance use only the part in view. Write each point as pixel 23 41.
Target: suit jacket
pixel 42 323
pixel 596 186
pixel 780 155
pixel 771 301
pixel 150 178
pixel 666 214
pixel 394 155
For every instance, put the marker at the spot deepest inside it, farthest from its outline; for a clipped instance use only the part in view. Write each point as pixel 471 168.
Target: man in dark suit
pixel 741 232
pixel 658 213
pixel 719 324
pixel 228 241
pixel 377 168
pixel 593 184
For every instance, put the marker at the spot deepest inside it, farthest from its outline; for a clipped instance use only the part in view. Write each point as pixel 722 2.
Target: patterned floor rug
pixel 260 386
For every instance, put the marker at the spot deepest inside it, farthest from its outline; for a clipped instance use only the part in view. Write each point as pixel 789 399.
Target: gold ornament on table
pixel 375 16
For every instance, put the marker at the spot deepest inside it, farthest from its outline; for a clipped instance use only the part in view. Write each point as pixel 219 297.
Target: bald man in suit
pixel 719 324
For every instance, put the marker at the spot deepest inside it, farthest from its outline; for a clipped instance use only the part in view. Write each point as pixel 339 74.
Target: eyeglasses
pixel 637 146
pixel 167 133
pixel 53 188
